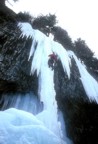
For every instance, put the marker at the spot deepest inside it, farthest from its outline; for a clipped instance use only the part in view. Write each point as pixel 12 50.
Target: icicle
pixel 63 56
pixel 28 102
pixel 89 83
pixel 26 29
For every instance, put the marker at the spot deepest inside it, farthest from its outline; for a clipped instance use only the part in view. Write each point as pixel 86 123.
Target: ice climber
pixel 52 60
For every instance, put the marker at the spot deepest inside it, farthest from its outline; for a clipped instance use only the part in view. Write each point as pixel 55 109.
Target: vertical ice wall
pixel 46 46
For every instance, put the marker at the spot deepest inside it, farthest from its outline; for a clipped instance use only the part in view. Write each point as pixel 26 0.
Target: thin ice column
pixel 47 93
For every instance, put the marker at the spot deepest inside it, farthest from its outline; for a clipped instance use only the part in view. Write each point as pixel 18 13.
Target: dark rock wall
pixel 14 64
pixel 69 87
pixel 80 115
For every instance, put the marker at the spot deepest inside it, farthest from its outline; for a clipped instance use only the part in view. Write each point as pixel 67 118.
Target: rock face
pixel 14 52
pixel 81 116
pixel 69 87
pixel 15 77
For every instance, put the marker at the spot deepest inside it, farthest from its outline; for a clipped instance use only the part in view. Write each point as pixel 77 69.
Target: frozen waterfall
pixel 38 120
pixel 45 124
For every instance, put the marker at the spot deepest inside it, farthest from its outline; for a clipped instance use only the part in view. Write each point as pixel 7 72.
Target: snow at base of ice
pixel 20 127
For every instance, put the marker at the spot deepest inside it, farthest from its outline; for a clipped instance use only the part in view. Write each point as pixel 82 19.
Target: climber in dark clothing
pixel 52 60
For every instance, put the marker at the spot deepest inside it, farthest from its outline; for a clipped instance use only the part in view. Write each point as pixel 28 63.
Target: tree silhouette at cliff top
pixel 24 17
pixel 82 50
pixel 61 36
pixel 86 55
pixel 45 23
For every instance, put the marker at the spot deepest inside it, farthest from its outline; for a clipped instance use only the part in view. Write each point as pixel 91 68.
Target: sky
pixel 78 17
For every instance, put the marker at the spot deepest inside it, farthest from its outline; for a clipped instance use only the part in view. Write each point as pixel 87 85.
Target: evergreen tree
pixel 44 23
pixel 86 55
pixel 82 50
pixel 61 36
pixel 24 17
